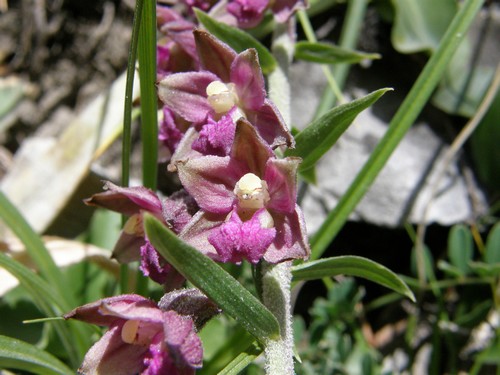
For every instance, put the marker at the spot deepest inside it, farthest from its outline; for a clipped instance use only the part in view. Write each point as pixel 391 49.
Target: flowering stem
pixel 276 278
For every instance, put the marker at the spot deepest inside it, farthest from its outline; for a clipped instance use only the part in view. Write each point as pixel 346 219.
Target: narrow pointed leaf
pixel 19 355
pixel 36 249
pixel 237 39
pixel 352 266
pixel 326 53
pixel 211 279
pixel 241 361
pixel 315 140
pixel 49 302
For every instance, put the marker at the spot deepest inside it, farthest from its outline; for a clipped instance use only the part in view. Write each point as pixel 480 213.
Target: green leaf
pixel 486 269
pixel 484 147
pixel 492 253
pixel 237 39
pixel 327 53
pixel 460 248
pixel 420 24
pixel 242 360
pixel 352 266
pixel 211 279
pixel 19 355
pixel 50 303
pixel 428 263
pixel 400 124
pixel 36 250
pixel 315 140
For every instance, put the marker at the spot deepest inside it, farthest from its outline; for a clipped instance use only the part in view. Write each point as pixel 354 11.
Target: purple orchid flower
pixel 176 51
pixel 229 82
pixel 247 201
pixel 175 212
pixel 144 338
pixel 249 13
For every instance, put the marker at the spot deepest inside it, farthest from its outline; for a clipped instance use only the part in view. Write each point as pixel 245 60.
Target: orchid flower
pixel 175 211
pixel 176 51
pixel 229 82
pixel 144 338
pixel 247 203
pixel 249 13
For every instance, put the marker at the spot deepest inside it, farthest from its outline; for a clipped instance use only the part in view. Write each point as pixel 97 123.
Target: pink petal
pixel 199 228
pixel 281 178
pixel 291 239
pixel 216 137
pixel 249 149
pixel 284 9
pixel 236 240
pixel 249 13
pixel 270 125
pixel 183 343
pixel 248 79
pixel 111 356
pixel 210 180
pixel 90 313
pixel 128 201
pixel 155 267
pixel 185 94
pixel 215 56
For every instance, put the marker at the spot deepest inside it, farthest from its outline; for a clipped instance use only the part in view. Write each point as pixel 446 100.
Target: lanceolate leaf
pixel 47 300
pixel 352 266
pixel 315 140
pixel 211 279
pixel 330 54
pixel 237 39
pixel 36 250
pixel 19 355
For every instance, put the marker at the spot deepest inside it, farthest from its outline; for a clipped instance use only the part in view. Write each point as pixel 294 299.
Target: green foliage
pixel 326 53
pixel 352 266
pixel 484 147
pixel 211 279
pixel 333 343
pixel 19 355
pixel 319 136
pixel 419 25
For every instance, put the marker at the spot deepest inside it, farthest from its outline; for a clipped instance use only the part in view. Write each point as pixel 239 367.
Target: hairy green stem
pixel 276 278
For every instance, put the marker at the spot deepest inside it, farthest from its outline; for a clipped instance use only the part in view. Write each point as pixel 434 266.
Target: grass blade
pixel 400 124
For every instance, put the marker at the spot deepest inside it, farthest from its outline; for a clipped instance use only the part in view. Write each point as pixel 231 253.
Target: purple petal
pixel 210 180
pixel 281 178
pixel 185 94
pixel 215 56
pixel 284 9
pixel 169 134
pixel 128 201
pixel 249 149
pixel 157 360
pixel 154 266
pixel 249 13
pixel 291 238
pixel 178 209
pixel 248 79
pixel 111 356
pixel 270 125
pixel 182 341
pixel 198 230
pixel 127 248
pixel 236 240
pixel 91 312
pixel 216 137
